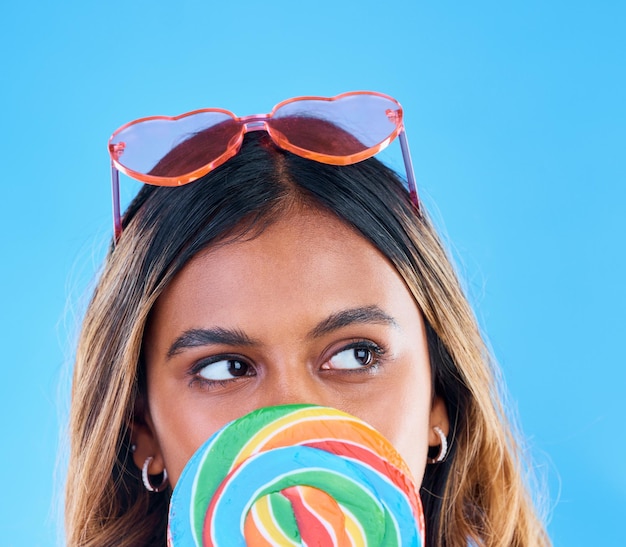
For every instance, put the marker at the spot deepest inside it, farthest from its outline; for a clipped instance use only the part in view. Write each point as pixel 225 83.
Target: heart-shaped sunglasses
pixel 341 130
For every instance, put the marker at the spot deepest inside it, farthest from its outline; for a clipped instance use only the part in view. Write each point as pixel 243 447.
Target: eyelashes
pixel 357 356
pixel 222 370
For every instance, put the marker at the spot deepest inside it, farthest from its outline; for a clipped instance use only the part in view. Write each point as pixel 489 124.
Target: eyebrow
pixel 194 338
pixel 352 316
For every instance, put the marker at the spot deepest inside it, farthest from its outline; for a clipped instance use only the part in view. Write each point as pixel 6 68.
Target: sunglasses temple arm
pixel 408 165
pixel 115 196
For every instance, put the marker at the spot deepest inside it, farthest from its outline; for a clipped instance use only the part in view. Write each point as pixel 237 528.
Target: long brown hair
pixel 479 495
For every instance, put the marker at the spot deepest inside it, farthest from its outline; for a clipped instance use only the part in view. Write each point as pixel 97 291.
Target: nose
pixel 297 387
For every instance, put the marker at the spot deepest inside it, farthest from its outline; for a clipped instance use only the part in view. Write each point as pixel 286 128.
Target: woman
pixel 274 279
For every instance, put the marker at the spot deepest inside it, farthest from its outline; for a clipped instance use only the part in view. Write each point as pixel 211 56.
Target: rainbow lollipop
pixel 296 475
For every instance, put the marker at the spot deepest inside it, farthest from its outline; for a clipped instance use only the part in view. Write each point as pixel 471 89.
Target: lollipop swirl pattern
pixel 296 475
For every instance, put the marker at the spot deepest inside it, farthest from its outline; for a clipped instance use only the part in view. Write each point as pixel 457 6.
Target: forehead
pixel 308 262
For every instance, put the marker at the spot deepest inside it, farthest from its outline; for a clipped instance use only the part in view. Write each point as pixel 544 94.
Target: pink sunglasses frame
pixel 258 122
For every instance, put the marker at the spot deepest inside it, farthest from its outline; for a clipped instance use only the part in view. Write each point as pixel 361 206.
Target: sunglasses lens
pixel 340 127
pixel 173 148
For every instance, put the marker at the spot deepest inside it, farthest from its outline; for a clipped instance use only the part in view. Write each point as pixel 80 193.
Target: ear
pixel 145 442
pixel 438 417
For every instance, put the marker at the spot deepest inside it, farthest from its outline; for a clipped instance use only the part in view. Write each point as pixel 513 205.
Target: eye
pixel 356 356
pixel 221 370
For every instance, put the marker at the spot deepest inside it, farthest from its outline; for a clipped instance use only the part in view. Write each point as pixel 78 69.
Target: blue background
pixel 517 121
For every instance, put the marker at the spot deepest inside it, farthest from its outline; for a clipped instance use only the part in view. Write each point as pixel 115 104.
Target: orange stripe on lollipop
pixel 344 427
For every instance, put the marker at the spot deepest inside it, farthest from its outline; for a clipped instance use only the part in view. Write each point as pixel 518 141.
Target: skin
pixel 306 312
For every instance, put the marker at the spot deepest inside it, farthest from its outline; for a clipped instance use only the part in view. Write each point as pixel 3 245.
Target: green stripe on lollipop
pixel 284 517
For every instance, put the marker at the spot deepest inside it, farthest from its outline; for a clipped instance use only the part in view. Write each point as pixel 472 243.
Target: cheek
pixel 182 421
pixel 403 417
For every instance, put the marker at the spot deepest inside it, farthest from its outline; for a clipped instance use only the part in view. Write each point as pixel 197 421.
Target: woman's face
pixel 306 312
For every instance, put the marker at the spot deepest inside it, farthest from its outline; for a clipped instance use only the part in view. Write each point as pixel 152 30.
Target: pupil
pixel 362 355
pixel 237 368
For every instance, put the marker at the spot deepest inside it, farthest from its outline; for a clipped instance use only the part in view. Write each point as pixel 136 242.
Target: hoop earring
pixel 443 447
pixel 146 478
